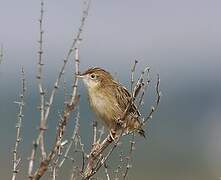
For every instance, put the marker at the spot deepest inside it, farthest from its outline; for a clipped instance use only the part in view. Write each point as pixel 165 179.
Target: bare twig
pixel 75 84
pixel 101 133
pixel 76 39
pixel 155 107
pixel 106 171
pixel 144 89
pixel 73 139
pixel 21 103
pixel 103 160
pixel 128 158
pixel 65 92
pixel 119 167
pixel 94 132
pixel 94 155
pixel 62 126
pixel 42 127
pixel 132 75
pixel 59 136
pixel 70 107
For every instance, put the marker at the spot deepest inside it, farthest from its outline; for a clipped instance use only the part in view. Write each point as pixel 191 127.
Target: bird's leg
pixel 116 130
pixel 113 134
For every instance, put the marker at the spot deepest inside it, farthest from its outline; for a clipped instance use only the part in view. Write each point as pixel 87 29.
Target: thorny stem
pixel 94 132
pixel 73 138
pixel 93 156
pixel 132 75
pixel 77 126
pixel 103 160
pixel 144 89
pixel 42 128
pixel 16 158
pixel 154 108
pixel 75 84
pixel 106 171
pixel 66 59
pixel 60 133
pixel 69 108
pixel 128 158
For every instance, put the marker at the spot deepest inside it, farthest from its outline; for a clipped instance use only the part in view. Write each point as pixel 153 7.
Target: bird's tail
pixel 141 132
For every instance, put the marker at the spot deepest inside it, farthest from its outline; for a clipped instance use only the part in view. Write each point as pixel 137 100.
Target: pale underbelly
pixel 105 109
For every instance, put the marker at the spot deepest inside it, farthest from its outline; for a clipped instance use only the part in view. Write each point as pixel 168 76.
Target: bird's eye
pixel 93 76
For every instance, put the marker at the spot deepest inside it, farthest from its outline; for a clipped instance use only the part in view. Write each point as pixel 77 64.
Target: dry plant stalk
pixel 42 128
pixel 21 104
pixel 45 109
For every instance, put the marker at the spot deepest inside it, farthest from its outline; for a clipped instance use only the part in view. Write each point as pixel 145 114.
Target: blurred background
pixel 180 40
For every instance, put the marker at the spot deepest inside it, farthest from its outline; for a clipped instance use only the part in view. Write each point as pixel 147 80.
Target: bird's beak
pixel 80 76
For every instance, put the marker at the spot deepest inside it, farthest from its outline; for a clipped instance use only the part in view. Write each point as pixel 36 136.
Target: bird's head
pixel 96 77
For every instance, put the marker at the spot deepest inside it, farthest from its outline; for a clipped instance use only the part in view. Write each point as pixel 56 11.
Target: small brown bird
pixel 109 99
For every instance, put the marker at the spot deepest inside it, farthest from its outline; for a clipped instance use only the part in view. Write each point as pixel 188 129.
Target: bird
pixel 109 100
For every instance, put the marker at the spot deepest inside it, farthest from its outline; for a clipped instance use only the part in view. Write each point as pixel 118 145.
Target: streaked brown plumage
pixel 109 99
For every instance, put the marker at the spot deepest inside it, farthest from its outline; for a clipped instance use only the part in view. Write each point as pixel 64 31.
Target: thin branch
pixel 119 167
pixel 158 98
pixel 59 136
pixel 132 75
pixel 144 89
pixel 101 133
pixel 74 135
pixel 94 155
pixel 42 128
pixel 76 39
pixel 102 160
pixel 77 72
pixel 62 126
pixel 65 91
pixel 16 157
pixel 94 132
pixel 68 109
pixel 106 171
pixel 128 158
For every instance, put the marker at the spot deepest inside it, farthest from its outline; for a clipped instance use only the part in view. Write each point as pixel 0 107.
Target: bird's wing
pixel 123 99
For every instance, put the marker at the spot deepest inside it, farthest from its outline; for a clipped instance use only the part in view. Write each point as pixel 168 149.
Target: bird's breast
pixel 103 106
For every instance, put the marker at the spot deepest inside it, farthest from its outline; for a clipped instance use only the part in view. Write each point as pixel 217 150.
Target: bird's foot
pixel 113 134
